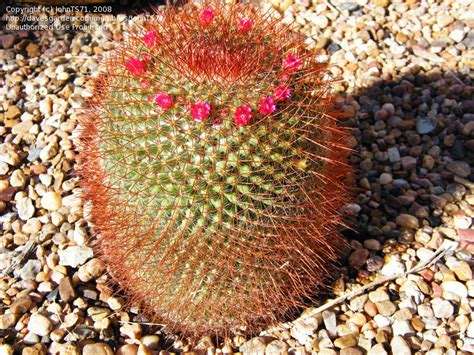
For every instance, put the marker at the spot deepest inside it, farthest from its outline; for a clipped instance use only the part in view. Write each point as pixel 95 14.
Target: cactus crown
pixel 214 166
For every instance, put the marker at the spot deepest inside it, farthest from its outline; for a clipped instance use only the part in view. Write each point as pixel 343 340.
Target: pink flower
pixel 245 24
pixel 163 100
pixel 150 38
pixel 207 16
pixel 243 115
pixel 282 93
pixel 292 62
pixel 267 105
pixel 200 110
pixel 135 66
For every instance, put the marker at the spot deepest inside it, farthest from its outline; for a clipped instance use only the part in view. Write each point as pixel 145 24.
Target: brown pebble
pixel 66 290
pixel 370 308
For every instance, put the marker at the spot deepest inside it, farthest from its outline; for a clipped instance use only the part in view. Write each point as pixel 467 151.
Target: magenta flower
pixel 200 110
pixel 243 115
pixel 207 16
pixel 282 92
pixel 245 24
pixel 292 62
pixel 150 38
pixel 267 105
pixel 163 100
pixel 135 66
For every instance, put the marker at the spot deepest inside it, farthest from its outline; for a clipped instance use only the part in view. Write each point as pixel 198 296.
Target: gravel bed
pixel 407 88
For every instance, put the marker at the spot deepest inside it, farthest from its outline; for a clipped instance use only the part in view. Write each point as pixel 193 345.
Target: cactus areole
pixel 214 168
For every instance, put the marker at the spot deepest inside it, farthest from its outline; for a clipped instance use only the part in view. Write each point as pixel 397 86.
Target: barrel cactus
pixel 214 168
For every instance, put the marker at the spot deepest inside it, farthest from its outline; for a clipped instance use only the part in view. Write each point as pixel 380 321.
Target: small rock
pixel 345 341
pixel 393 154
pixel 255 346
pixel 7 41
pixel 30 269
pixel 22 127
pixel 386 308
pixel 6 349
pixel 379 295
pixel 451 288
pixel 385 178
pixel 97 349
pixel 393 266
pixel 39 325
pixel 459 168
pixel 69 349
pixel 75 255
pixel 127 349
pixel 461 268
pixel 32 49
pixel 408 163
pixel 407 221
pixel 91 270
pixel 399 346
pixel 442 308
pixel 304 329
pixel 151 341
pixel 382 3
pixel 425 125
pixel 51 201
pixel 402 327
pixel 21 305
pixel 66 290
pixel 25 208
pixel 277 347
pixel 131 330
pixel 377 349
pixel 358 258
pixel 329 319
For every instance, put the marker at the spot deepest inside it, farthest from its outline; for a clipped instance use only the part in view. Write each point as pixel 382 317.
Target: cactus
pixel 214 168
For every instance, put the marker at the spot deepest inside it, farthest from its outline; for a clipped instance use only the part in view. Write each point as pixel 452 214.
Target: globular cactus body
pixel 214 167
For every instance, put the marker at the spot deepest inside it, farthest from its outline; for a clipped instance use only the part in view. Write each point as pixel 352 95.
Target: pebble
pixel 255 346
pixel 25 208
pixel 399 346
pixel 407 221
pixel 345 341
pixel 393 266
pixel 304 329
pixel 97 349
pixel 459 168
pixel 402 327
pixel 425 125
pixel 127 349
pixel 385 178
pixel 461 268
pixel 7 40
pixel 456 288
pixel 393 154
pixel 75 255
pixel 39 325
pixel 386 308
pixel 91 270
pixel 358 258
pixel 21 305
pixel 377 349
pixel 442 308
pixel 276 347
pixel 51 201
pixel 131 330
pixel 66 290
